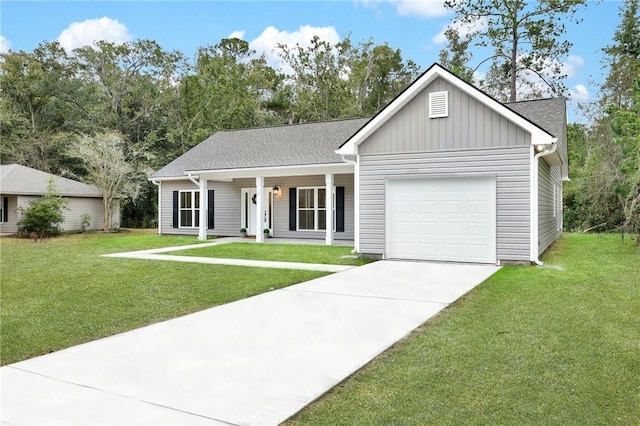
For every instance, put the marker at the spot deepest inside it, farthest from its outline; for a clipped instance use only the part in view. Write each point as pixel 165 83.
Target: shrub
pixel 85 221
pixel 44 215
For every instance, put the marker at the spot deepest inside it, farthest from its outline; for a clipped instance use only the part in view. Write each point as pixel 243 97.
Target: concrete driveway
pixel 256 361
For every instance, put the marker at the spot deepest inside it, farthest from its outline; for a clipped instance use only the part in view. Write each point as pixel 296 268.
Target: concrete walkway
pixel 256 361
pixel 155 254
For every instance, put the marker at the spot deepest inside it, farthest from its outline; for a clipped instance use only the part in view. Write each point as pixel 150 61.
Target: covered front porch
pixel 299 202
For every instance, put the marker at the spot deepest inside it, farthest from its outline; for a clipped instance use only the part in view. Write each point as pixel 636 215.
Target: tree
pixel 525 41
pixel 456 56
pixel 110 166
pixel 43 216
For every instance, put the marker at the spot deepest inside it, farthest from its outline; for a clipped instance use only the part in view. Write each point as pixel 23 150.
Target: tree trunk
pixel 513 96
pixel 107 213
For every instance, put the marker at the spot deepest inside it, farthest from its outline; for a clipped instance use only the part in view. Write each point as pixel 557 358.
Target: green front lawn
pixel 59 292
pixel 302 253
pixel 530 346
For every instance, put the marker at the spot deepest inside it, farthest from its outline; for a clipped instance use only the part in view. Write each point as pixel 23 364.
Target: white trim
pixel 538 135
pixel 259 207
pixel 192 208
pixel 356 206
pixel 329 206
pixel 316 227
pixel 280 171
pixel 159 208
pixel 204 210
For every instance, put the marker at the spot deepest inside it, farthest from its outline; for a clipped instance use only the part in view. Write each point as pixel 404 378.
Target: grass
pixel 529 346
pixel 59 292
pixel 278 252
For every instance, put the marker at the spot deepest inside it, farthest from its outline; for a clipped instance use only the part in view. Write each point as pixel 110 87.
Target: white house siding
pixel 227 208
pixel 549 205
pixel 470 125
pixel 510 165
pixel 76 207
pixel 11 225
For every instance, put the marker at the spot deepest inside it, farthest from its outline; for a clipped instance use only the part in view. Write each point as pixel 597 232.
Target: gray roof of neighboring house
pixel 549 114
pixel 289 145
pixel 20 180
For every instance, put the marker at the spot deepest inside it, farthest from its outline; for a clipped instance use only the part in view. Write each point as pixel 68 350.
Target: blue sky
pixel 410 25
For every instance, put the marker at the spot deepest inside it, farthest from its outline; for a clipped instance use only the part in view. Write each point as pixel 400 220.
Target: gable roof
pixel 539 135
pixel 288 145
pixel 20 180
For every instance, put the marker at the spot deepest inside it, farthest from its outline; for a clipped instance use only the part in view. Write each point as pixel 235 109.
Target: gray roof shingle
pixel 20 180
pixel 548 114
pixel 289 145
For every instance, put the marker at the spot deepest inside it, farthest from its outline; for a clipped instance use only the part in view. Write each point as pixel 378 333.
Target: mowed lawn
pixel 302 253
pixel 59 292
pixel 530 346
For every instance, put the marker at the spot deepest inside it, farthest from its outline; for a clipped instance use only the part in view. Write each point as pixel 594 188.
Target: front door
pixel 249 206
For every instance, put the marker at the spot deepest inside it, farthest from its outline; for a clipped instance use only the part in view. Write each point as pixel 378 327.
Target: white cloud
pixel 267 41
pixel 463 29
pixel 579 93
pixel 84 33
pixel 5 44
pixel 570 66
pixel 421 8
pixel 237 34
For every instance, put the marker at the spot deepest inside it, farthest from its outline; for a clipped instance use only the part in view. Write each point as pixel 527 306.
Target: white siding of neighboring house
pixel 76 207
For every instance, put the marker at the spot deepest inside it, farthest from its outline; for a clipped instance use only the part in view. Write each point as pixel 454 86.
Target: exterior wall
pixel 549 205
pixel 76 207
pixel 228 214
pixel 509 164
pixel 11 225
pixel 470 125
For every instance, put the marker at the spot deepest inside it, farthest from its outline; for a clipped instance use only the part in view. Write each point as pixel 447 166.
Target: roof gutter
pixel 541 150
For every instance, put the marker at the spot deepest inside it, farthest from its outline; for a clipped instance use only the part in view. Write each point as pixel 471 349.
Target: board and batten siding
pixel 228 214
pixel 549 205
pixel 510 165
pixel 469 125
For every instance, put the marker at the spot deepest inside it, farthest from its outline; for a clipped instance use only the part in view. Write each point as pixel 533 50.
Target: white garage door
pixel 447 219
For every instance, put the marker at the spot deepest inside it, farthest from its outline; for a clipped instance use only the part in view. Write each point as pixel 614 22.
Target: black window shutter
pixel 339 208
pixel 210 205
pixel 293 200
pixel 5 209
pixel 175 209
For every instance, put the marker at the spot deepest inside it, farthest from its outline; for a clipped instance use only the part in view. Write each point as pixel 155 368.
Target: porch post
pixel 202 228
pixel 328 180
pixel 259 209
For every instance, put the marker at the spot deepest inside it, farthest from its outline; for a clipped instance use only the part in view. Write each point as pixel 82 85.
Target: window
pixel 189 207
pixel 312 209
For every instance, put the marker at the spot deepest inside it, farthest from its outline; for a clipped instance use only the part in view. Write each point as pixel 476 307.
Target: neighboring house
pixel 19 185
pixel 444 172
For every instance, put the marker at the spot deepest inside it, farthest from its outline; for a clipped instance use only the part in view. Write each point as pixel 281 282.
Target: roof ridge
pixel 275 126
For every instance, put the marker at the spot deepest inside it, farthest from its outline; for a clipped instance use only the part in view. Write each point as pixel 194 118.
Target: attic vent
pixel 438 104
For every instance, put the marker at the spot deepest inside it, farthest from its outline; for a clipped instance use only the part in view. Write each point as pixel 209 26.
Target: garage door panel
pixel 451 219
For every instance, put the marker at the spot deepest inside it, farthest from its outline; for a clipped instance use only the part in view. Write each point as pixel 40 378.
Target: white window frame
pixel 315 209
pixel 195 211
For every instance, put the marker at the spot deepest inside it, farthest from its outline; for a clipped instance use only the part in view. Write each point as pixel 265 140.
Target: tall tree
pixel 112 166
pixel 525 39
pixel 456 55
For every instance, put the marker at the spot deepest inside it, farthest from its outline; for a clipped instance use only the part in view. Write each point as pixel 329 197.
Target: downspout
pixel 534 196
pixel 159 185
pixel 356 204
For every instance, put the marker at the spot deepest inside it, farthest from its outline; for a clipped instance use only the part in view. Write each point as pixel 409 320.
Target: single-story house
pixel 19 185
pixel 444 172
